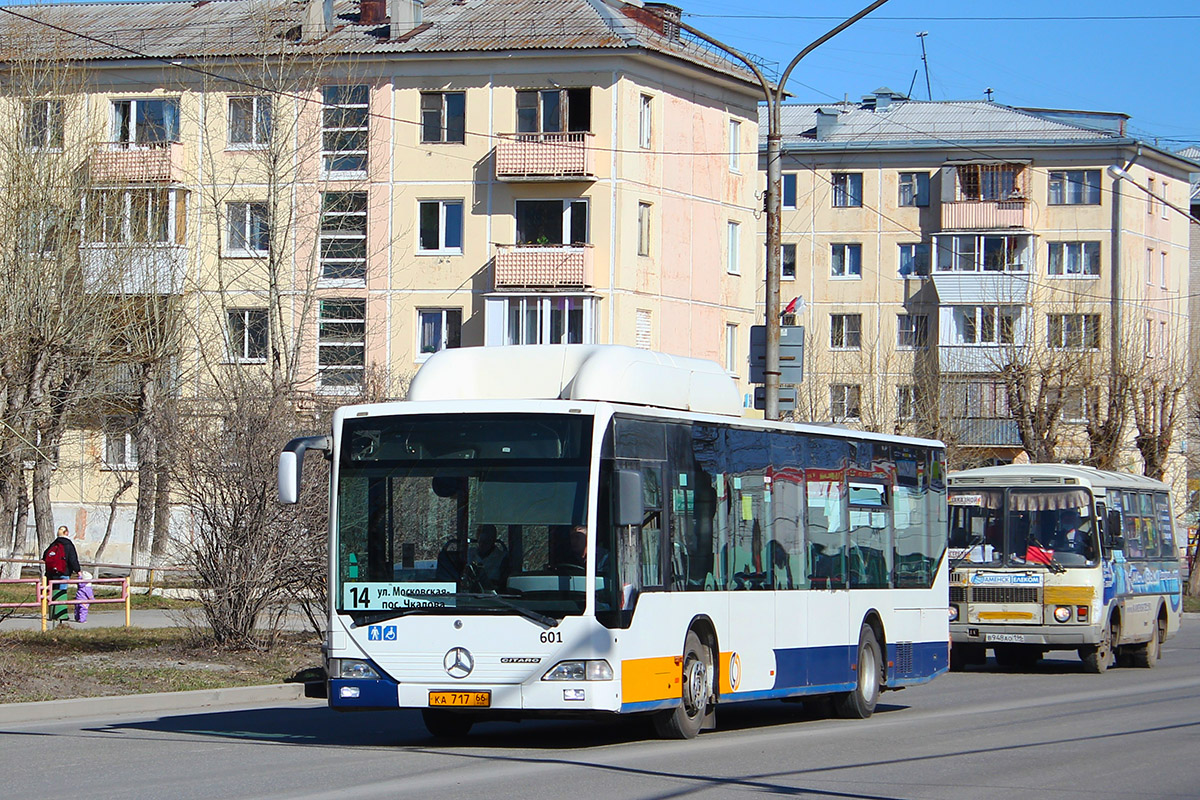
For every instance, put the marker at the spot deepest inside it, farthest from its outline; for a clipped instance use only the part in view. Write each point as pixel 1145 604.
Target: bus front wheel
pixel 860 702
pixel 685 720
pixel 1099 657
pixel 446 724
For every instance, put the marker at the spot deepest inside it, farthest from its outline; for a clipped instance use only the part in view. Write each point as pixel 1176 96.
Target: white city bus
pixel 1060 557
pixel 592 530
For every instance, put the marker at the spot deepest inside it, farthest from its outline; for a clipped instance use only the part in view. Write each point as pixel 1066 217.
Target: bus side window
pixel 1133 526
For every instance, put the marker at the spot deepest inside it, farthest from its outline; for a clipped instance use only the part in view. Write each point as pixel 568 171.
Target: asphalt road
pixel 1051 732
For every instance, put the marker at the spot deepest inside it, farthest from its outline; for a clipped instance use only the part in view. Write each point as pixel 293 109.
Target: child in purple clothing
pixel 83 592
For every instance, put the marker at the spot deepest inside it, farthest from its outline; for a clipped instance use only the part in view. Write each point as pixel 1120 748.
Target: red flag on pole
pixel 1038 555
pixel 791 307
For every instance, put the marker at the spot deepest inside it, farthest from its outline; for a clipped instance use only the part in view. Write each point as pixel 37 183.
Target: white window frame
pixel 906 402
pixel 735 145
pixel 1085 323
pixel 106 220
pixel 979 319
pixel 133 138
pixel 332 344
pixel 449 330
pixel 335 232
pixel 1072 259
pixel 848 273
pixel 1163 207
pixel 1163 260
pixel 784 248
pixel 260 121
pixel 569 205
pixel 239 352
pixel 840 326
pixel 331 103
pixel 731 348
pixel 118 431
pixel 732 245
pixel 444 233
pixel 243 213
pixel 847 397
pixel 644 229
pixel 847 187
pixel 646 121
pixel 1061 181
pixel 537 311
pixel 1151 199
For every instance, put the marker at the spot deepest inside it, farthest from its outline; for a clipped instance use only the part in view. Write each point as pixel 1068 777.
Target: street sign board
pixel 791 354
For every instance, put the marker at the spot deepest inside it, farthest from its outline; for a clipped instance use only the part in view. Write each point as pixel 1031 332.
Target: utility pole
pixel 925 62
pixel 773 95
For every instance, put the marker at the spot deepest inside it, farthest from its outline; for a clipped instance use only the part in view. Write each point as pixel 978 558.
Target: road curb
pixel 195 700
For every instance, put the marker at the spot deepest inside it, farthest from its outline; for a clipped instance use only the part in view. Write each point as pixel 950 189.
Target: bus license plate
pixel 461 699
pixel 1010 638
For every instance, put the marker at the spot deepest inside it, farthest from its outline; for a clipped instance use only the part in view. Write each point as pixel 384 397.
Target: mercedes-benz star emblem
pixel 458 662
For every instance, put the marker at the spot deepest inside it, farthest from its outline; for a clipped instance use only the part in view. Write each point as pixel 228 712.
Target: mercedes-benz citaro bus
pixel 584 531
pixel 1060 557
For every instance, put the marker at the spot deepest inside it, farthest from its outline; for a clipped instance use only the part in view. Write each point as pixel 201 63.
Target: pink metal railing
pixel 985 214
pixel 543 267
pixel 533 156
pixel 122 163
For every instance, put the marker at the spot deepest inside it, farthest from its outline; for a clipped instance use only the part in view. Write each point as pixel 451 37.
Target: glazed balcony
pixel 545 157
pixel 543 267
pixel 124 163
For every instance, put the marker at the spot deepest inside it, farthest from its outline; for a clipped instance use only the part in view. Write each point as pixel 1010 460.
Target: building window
pixel 247 330
pixel 554 110
pixel 914 189
pixel 845 331
pixel 788 184
pixel 443 117
pixel 1073 331
pixel 247 232
pixel 987 253
pixel 1075 187
pixel 645 122
pixel 441 226
pixel 44 123
pixel 344 236
pixel 344 130
pixel 1075 258
pixel 120 443
pixel 341 342
pixel 1150 265
pixel 643 241
pixel 1076 404
pixel 558 319
pixel 1162 269
pixel 136 216
pixel 847 189
pixel 1151 199
pixel 787 262
pixel 731 348
pixel 643 330
pixel 985 324
pixel 912 330
pixel 914 260
pixel 993 182
pixel 906 402
pixel 732 264
pixel 249 121
pixel 552 222
pixel 145 122
pixel 846 261
pixel 440 329
pixel 844 405
pixel 983 400
pixel 735 145
pixel 1166 197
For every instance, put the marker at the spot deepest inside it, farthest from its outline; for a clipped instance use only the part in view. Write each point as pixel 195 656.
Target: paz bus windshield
pixel 1021 527
pixel 463 513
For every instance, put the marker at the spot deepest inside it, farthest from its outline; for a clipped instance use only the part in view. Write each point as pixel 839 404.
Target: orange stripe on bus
pixel 647 679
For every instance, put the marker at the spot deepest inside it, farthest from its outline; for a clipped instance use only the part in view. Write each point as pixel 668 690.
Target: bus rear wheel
pixel 1147 655
pixel 446 724
pixel 860 702
pixel 1099 657
pixel 685 720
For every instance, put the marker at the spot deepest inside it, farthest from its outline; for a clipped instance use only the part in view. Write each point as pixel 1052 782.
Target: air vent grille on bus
pixel 958 594
pixel 904 658
pixel 1005 594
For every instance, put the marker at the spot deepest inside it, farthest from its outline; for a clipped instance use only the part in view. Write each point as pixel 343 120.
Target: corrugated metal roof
pixel 181 29
pixel 924 122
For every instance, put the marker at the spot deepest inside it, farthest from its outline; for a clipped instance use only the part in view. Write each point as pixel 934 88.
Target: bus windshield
pixel 1022 527
pixel 463 513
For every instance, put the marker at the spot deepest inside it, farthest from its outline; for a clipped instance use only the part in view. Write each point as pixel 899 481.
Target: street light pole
pixel 773 94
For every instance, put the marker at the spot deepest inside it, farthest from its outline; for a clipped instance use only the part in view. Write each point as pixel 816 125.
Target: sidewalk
pixel 113 616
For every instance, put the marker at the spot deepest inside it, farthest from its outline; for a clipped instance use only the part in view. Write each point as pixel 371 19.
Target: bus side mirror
pixel 291 460
pixel 629 497
pixel 1112 530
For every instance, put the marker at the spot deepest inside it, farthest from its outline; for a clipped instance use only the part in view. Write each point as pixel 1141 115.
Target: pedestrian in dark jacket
pixel 61 562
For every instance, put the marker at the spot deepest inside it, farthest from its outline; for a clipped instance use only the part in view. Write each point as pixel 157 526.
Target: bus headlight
pixel 580 671
pixel 1062 614
pixel 352 669
pixel 954 613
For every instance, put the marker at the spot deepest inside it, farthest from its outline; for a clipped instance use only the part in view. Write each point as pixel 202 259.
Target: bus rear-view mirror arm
pixel 1112 528
pixel 290 463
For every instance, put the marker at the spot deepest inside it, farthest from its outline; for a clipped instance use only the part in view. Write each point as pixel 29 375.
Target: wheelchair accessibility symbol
pixel 381 633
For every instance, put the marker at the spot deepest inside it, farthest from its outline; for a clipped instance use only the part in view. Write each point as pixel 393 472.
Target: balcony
pixel 545 157
pixel 985 287
pixel 134 269
pixel 984 432
pixel 543 267
pixel 985 215
pixel 977 358
pixel 123 163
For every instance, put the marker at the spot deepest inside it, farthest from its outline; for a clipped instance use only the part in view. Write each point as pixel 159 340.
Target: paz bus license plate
pixel 461 699
pixel 1010 638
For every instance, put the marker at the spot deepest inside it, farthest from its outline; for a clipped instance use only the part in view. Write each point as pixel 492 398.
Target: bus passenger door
pixel 829 626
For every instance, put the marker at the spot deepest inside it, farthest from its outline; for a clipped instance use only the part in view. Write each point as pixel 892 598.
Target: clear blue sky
pixel 1141 59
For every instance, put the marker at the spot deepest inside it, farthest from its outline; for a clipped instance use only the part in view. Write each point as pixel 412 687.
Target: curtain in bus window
pixel 1166 535
pixel 1133 526
pixel 1053 500
pixel 1150 544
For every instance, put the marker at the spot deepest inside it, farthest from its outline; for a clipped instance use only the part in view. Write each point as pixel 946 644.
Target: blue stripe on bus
pixel 649 705
pixel 820 667
pixel 372 694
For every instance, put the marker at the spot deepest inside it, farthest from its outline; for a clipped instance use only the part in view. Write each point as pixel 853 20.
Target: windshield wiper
pixel 382 616
pixel 977 539
pixel 529 614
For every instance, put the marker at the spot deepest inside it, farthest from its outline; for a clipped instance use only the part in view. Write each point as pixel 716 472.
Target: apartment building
pixel 339 188
pixel 991 275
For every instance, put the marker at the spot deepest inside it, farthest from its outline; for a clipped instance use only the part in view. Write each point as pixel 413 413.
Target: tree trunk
pixel 112 514
pixel 162 514
pixel 21 525
pixel 147 452
pixel 43 515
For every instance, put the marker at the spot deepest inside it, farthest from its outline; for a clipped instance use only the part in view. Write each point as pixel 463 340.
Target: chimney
pixel 405 15
pixel 670 16
pixel 826 121
pixel 318 19
pixel 371 12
